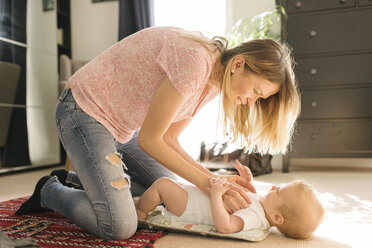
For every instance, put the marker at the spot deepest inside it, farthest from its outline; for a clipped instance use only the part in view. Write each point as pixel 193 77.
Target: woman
pixel 156 80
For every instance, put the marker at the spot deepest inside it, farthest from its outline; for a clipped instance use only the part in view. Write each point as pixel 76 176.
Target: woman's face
pixel 248 87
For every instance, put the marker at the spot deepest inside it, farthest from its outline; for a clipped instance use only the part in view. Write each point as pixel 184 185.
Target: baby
pixel 293 208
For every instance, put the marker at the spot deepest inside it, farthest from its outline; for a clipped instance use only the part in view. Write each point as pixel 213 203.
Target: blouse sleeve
pixel 250 219
pixel 186 63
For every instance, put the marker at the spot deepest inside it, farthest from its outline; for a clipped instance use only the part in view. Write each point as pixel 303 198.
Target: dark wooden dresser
pixel 332 47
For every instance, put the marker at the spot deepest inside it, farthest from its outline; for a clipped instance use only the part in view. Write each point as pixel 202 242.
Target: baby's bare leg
pixel 163 190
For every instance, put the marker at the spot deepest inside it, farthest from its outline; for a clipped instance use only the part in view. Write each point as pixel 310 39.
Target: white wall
pixel 94 27
pixel 42 83
pixel 237 9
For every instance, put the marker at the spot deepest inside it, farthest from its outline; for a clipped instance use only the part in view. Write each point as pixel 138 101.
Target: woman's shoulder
pixel 164 32
pixel 175 38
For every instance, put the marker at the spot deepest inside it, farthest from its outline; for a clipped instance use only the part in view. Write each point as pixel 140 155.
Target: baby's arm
pixel 223 221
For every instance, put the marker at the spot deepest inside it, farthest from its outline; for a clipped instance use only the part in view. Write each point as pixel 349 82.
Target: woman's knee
pixel 119 220
pixel 127 230
pixel 121 228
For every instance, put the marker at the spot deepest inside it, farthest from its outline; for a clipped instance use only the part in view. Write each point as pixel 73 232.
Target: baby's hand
pixel 219 186
pixel 244 171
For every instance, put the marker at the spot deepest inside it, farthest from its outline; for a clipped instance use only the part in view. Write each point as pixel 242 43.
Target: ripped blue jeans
pixel 104 204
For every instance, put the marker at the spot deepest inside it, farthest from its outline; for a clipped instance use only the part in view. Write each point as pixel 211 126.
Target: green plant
pixel 262 26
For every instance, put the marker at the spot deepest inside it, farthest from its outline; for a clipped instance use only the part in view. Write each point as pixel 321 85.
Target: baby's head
pixel 293 209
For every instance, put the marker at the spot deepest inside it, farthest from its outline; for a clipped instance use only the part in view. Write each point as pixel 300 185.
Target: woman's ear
pixel 238 63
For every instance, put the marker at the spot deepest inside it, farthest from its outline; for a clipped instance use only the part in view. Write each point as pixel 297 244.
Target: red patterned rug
pixel 55 231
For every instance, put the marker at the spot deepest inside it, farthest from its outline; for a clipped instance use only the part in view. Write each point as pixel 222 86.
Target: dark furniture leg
pixel 285 164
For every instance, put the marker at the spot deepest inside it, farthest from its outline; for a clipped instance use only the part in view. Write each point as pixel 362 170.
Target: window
pixel 207 16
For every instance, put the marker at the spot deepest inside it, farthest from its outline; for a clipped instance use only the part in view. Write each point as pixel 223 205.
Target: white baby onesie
pixel 198 211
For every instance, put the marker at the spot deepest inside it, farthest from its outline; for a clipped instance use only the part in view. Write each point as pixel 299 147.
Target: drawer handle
pixel 312 33
pixel 314 136
pixel 298 5
pixel 313 71
pixel 314 104
pixel 342 1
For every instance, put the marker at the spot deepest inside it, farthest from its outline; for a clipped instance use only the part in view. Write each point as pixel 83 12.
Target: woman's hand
pixel 236 198
pixel 233 198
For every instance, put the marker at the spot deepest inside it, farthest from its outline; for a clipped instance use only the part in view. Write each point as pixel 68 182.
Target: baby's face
pixel 278 195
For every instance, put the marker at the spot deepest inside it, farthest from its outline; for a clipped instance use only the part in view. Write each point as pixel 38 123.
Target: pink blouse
pixel 116 87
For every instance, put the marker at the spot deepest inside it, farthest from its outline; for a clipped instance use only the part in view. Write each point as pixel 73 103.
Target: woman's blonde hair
pixel 268 125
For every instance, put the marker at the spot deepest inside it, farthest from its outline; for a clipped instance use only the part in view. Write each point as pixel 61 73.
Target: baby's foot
pixel 141 215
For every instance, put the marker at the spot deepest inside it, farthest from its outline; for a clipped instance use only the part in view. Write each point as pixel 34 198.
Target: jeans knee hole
pixel 114 159
pixel 120 184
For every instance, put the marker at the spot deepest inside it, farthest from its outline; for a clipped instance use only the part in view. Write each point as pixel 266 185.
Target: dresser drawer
pixel 330 32
pixel 365 2
pixel 334 70
pixel 337 103
pixel 294 6
pixel 334 136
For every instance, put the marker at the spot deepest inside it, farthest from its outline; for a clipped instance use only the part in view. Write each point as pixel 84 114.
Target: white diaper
pixel 198 208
